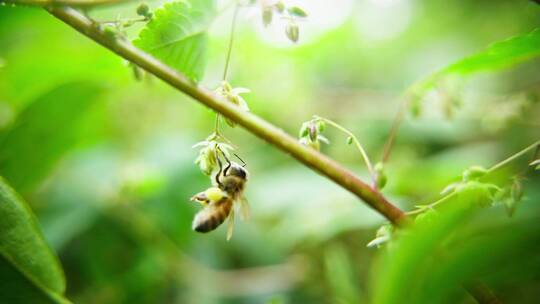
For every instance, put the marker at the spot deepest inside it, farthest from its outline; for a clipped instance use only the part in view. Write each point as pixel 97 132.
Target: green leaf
pixel 499 55
pixel 340 275
pixel 431 259
pixel 29 270
pixel 43 132
pixel 176 35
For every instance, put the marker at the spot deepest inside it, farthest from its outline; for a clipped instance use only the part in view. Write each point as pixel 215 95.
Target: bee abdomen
pixel 211 216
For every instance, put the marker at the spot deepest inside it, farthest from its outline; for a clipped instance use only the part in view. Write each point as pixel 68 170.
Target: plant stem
pixel 216 125
pixel 513 157
pixel 142 19
pixel 228 58
pixel 231 41
pixel 358 146
pixel 254 124
pixel 432 205
pixel 396 123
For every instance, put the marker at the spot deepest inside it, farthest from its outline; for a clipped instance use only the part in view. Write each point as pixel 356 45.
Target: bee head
pixel 236 170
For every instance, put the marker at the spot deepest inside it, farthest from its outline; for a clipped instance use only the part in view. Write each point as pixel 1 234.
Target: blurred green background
pixel 106 162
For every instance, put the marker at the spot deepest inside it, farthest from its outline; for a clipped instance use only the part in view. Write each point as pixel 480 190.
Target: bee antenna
pixel 241 160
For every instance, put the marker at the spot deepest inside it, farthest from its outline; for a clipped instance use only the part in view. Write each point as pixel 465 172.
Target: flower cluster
pixel 208 155
pixel 291 14
pixel 233 95
pixel 310 133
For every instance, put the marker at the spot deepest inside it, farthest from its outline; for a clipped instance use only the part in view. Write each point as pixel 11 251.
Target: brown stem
pixel 254 124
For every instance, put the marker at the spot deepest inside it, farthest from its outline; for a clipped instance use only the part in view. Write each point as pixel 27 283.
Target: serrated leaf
pixel 499 55
pixel 176 35
pixel 43 132
pixel 29 270
pixel 449 251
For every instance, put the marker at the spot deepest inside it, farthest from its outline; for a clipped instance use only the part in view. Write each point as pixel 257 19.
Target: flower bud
pixel 292 31
pixel 144 10
pixel 313 132
pixel 321 126
pixel 297 11
pixel 380 176
pixel 304 129
pixel 473 173
pixel 110 31
pixel 280 6
pixel 267 14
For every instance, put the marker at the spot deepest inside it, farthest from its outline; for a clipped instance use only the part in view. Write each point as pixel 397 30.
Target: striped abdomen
pixel 212 215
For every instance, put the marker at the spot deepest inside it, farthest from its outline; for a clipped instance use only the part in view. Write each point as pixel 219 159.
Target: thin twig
pixel 115 22
pixel 254 124
pixel 228 58
pixel 513 157
pixel 358 146
pixel 494 168
pixel 396 123
pixel 231 41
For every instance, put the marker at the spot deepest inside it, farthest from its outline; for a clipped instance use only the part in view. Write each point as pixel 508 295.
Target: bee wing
pixel 244 209
pixel 230 225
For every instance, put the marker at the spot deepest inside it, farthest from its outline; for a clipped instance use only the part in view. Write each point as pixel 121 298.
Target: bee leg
pixel 200 198
pixel 218 182
pixel 228 162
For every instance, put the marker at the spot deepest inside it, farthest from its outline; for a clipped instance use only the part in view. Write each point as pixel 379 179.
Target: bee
pixel 220 200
